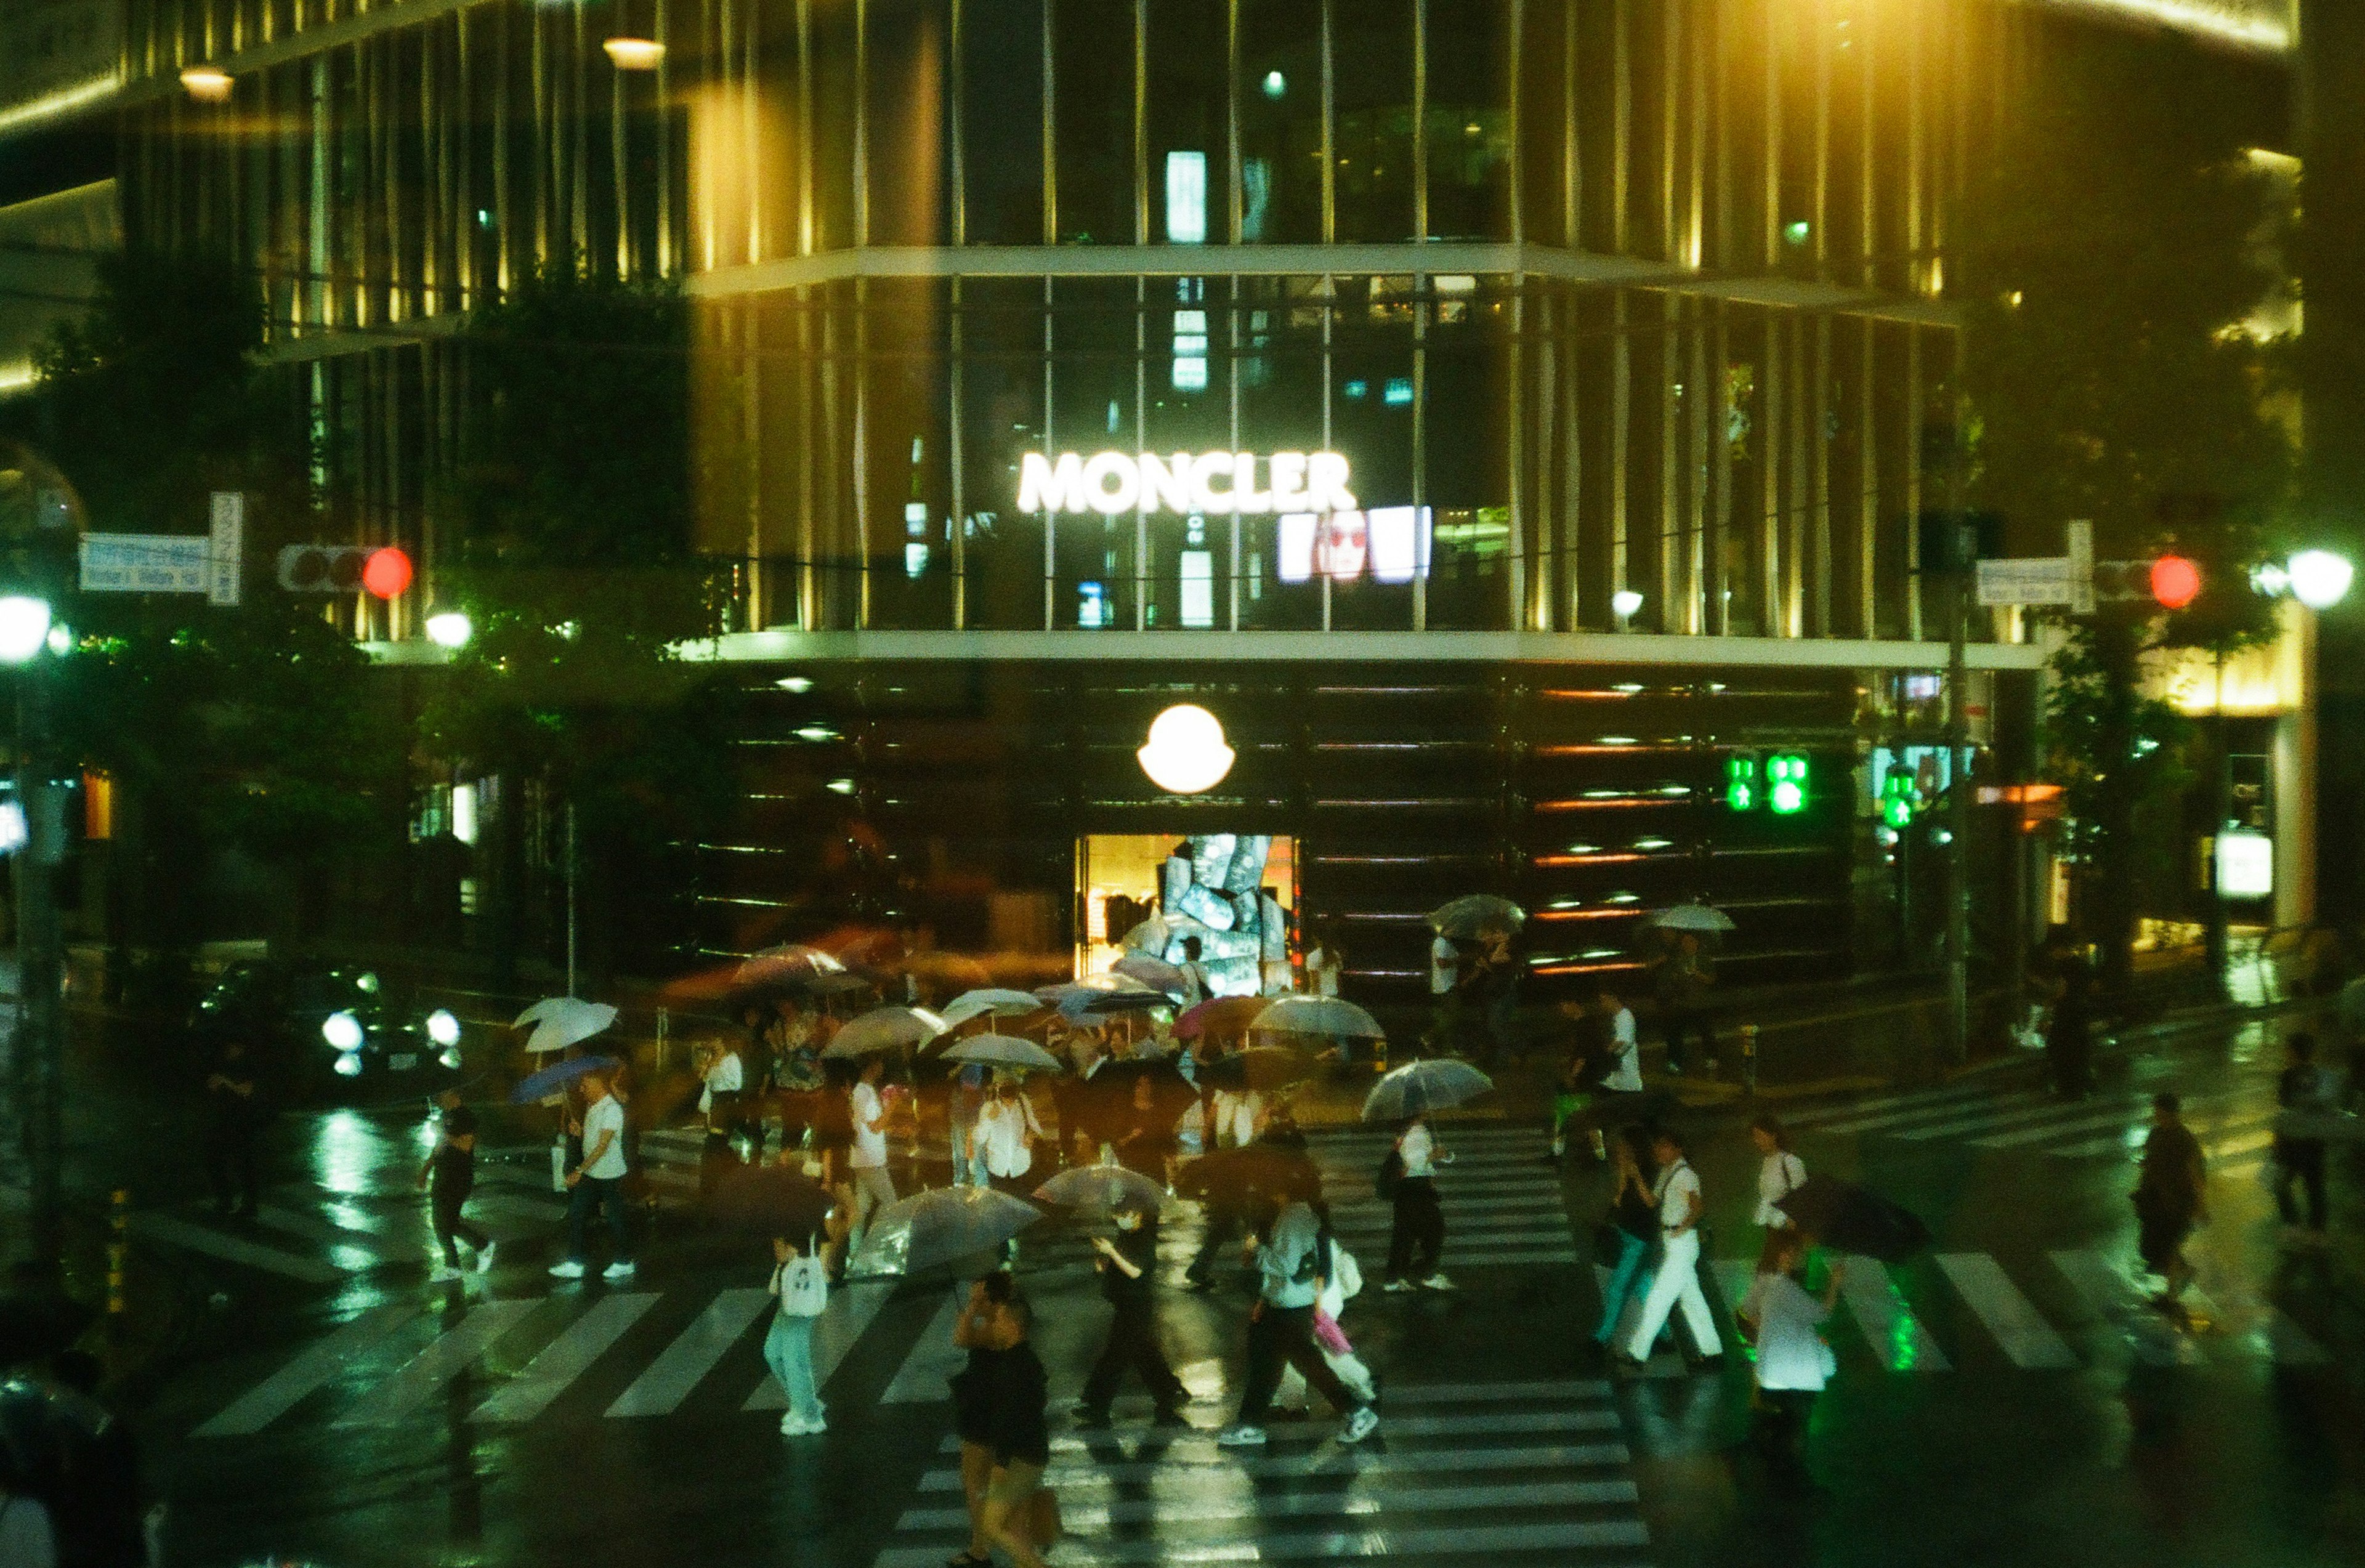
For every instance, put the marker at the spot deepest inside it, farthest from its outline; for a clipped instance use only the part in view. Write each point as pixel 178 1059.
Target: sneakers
pixel 1241 1437
pixel 1360 1423
pixel 485 1257
pixel 621 1269
pixel 1437 1282
pixel 794 1426
pixel 566 1268
pixel 1397 1287
pixel 442 1274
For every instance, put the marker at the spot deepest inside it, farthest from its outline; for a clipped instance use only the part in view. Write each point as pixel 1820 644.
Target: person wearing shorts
pixel 1021 1432
pixel 2170 1198
pixel 973 1405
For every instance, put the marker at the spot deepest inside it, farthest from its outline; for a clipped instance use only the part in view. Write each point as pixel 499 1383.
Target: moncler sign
pixel 1207 483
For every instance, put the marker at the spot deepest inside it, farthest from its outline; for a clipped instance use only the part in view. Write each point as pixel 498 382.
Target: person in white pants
pixel 1678 1195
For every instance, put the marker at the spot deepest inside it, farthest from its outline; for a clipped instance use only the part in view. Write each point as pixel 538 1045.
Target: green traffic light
pixel 1789 795
pixel 1741 782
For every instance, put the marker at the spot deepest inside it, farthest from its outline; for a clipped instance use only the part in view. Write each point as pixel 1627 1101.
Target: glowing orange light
pixel 386 572
pixel 2175 581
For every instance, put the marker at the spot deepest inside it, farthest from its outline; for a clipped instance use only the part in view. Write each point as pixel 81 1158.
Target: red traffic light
pixel 2175 581
pixel 386 572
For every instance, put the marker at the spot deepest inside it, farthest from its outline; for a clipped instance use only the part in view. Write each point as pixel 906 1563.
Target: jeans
pixel 1677 1284
pixel 1416 1229
pixel 788 1350
pixel 2299 1162
pixel 1631 1277
pixel 444 1212
pixel 1279 1337
pixel 598 1193
pixel 968 1154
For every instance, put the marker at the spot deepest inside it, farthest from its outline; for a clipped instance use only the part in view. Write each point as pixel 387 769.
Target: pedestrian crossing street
pixel 1456 1473
pixel 1503 1204
pixel 2234 1125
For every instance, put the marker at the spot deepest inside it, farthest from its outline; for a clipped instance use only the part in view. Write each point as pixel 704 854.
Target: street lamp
pixel 1625 604
pixel 2319 579
pixel 24 628
pixel 450 629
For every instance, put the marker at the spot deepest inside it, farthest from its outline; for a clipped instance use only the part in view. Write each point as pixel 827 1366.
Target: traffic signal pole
pixel 1958 800
pixel 37 1054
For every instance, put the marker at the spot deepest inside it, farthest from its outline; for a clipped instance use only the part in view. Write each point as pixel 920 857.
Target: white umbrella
pixel 1429 1085
pixel 1473 914
pixel 562 1021
pixel 1150 937
pixel 1111 984
pixel 1154 972
pixel 792 961
pixel 1319 1015
pixel 885 1029
pixel 1001 1050
pixel 1692 917
pixel 991 1001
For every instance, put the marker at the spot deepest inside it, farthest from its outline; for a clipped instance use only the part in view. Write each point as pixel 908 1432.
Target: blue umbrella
pixel 554 1078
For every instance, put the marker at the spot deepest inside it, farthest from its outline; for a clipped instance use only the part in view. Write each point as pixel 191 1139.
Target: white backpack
pixel 804 1286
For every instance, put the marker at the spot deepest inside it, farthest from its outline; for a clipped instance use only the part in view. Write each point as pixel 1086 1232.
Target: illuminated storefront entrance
pixel 1235 894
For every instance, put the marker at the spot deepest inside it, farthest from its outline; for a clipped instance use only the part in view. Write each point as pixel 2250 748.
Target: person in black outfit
pixel 2303 1091
pixel 1020 1433
pixel 2068 1043
pixel 233 1119
pixel 450 1175
pixel 1129 1268
pixel 973 1404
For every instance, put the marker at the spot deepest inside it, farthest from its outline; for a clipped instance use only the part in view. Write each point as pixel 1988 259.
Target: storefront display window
pixel 1233 893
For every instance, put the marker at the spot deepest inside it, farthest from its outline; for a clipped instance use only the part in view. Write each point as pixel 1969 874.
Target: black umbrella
pixel 1259 1067
pixel 771 1201
pixel 1849 1218
pixel 1253 1170
pixel 1168 1087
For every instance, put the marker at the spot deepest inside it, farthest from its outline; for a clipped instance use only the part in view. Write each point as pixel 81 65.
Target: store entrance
pixel 1235 893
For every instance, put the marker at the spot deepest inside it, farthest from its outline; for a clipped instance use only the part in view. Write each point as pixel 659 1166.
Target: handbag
pixel 804 1286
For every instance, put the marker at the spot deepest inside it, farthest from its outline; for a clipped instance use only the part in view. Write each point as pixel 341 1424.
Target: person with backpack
pixel 1681 1207
pixel 1128 1271
pixel 1341 1280
pixel 1281 1328
pixel 1417 1225
pixel 800 1285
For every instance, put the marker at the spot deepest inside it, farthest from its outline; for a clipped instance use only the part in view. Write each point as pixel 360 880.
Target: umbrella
pixel 1430 1085
pixel 1261 1067
pixel 1101 1187
pixel 563 1021
pixel 1319 1015
pixel 1001 1050
pixel 1849 1218
pixel 777 965
pixel 1156 973
pixel 928 1228
pixel 1249 1172
pixel 769 1200
pixel 1223 1016
pixel 1111 984
pixel 1473 914
pixel 1692 917
pixel 885 1029
pixel 1168 1087
pixel 1081 1005
pixel 551 1080
pixel 832 982
pixel 992 1002
pixel 1150 937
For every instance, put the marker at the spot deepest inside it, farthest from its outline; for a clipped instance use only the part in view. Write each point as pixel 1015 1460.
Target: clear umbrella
pixel 1105 1186
pixel 940 1227
pixel 1156 973
pixel 1696 917
pixel 1430 1085
pixel 885 1029
pixel 1001 1050
pixel 1327 1016
pixel 1474 914
pixel 792 962
pixel 559 1021
pixel 992 1002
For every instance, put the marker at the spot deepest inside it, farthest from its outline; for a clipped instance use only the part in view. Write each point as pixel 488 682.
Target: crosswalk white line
pixel 934 1359
pixel 2121 1117
pixel 311 1370
pixel 2215 1145
pixel 1229 1495
pixel 1879 1307
pixel 1548 1456
pixel 2002 1103
pixel 2266 1326
pixel 1822 1115
pixel 1316 1545
pixel 2023 1334
pixel 2106 1290
pixel 193 1238
pixel 446 1356
pixel 557 1366
pixel 835 1332
pixel 1498 1423
pixel 679 1366
pixel 347 1249
pixel 2034 1123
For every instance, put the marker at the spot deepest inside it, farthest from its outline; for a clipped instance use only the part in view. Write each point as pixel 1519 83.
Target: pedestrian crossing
pixel 2234 1125
pixel 1504 1206
pixel 1968 1308
pixel 1457 1473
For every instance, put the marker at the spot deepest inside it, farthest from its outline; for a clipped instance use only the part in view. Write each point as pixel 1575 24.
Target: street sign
pixel 147 563
pixel 228 546
pixel 2027 579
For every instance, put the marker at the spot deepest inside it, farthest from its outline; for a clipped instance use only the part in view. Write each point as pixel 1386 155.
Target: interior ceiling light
pixel 634 55
pixel 207 83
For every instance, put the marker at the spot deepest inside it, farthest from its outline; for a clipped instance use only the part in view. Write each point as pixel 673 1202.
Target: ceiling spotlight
pixel 634 55
pixel 207 83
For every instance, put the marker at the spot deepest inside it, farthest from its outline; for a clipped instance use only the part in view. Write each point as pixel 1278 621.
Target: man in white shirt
pixel 1444 965
pixel 1006 1131
pixel 597 1183
pixel 724 1080
pixel 1625 1055
pixel 1678 1198
pixel 873 1187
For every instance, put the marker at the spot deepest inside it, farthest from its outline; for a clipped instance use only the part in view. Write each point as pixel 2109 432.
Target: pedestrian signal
pixel 1787 784
pixel 1899 793
pixel 1741 782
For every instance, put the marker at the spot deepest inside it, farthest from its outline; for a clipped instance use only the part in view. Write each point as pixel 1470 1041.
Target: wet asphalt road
pixel 2001 1399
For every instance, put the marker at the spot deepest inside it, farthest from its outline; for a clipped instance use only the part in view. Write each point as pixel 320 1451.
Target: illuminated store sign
pixel 1205 484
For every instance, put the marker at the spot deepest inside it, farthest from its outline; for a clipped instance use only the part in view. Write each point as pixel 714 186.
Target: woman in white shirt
pixel 1793 1362
pixel 1779 1174
pixel 1006 1131
pixel 1416 1227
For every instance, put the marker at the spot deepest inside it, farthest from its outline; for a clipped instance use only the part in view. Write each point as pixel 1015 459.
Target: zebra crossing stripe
pixel 1879 1307
pixel 2003 1104
pixel 1548 1456
pixel 1920 1097
pixel 921 1380
pixel 311 1370
pixel 557 1366
pixel 666 1382
pixel 2119 1117
pixel 193 1238
pixel 468 1336
pixel 840 1324
pixel 1231 1496
pixel 2106 1290
pixel 2038 1122
pixel 2026 1337
pixel 1319 1545
pixel 1503 1422
pixel 2215 1146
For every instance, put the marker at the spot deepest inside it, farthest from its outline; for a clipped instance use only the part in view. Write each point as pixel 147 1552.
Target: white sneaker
pixel 566 1268
pixel 621 1269
pixel 1437 1282
pixel 791 1426
pixel 485 1258
pixel 1397 1287
pixel 442 1274
pixel 1360 1425
pixel 1241 1437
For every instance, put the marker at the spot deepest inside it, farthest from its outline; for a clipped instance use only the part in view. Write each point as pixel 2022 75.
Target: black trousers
pixel 444 1202
pixel 1132 1346
pixel 1221 1226
pixel 232 1169
pixel 718 1157
pixel 1284 1337
pixel 1416 1229
pixel 1684 1024
pixel 2301 1162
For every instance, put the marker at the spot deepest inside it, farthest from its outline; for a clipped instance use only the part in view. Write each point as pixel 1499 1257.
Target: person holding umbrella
pixel 1793 1361
pixel 1006 1135
pixel 1416 1226
pixel 597 1183
pixel 1682 982
pixel 801 1286
pixel 1128 1268
pixel 1677 1195
pixel 874 1188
